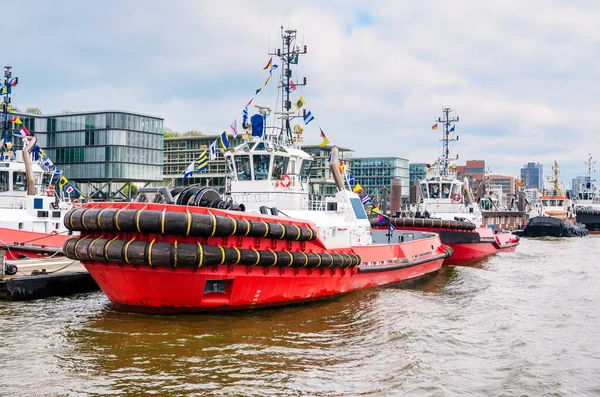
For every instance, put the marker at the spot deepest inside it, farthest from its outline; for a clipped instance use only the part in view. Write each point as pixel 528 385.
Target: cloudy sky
pixel 522 75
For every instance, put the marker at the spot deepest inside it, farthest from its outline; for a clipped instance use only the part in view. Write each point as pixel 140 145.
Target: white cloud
pixel 520 74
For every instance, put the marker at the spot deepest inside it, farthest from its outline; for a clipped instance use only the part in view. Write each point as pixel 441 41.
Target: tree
pixel 169 133
pixel 130 190
pixel 33 110
pixel 66 111
pixel 192 133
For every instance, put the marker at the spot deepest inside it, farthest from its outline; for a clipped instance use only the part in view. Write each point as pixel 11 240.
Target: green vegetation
pixel 33 110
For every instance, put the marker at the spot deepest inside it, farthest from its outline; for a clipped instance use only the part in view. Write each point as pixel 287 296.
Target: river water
pixel 522 324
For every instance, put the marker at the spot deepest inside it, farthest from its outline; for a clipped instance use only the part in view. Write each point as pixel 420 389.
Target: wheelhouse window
pixel 4 181
pixel 424 190
pixel 229 163
pixel 559 203
pixel 280 166
pixel 242 166
pixel 19 181
pixel 305 171
pixel 456 189
pixel 261 166
pixel 434 190
pixel 446 190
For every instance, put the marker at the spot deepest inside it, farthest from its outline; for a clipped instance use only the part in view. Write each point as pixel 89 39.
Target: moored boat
pixel 553 214
pixel 447 207
pixel 31 209
pixel 266 243
pixel 587 203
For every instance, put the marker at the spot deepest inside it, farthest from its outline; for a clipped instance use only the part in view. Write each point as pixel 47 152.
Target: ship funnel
pixel 468 191
pixel 28 170
pixel 335 168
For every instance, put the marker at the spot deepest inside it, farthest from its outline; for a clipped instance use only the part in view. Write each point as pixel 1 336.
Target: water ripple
pixel 524 323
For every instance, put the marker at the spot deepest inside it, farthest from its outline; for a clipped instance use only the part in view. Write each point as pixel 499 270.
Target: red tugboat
pixel 444 210
pixel 190 250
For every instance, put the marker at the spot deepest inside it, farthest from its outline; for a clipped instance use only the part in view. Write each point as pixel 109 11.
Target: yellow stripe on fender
pixel 150 252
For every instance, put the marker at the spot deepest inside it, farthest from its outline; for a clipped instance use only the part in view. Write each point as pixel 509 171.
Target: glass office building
pixel 180 151
pixel 375 174
pixel 321 180
pixel 100 151
pixel 417 172
pixel 533 175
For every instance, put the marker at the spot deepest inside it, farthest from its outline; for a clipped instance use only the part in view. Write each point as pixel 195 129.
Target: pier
pixel 42 277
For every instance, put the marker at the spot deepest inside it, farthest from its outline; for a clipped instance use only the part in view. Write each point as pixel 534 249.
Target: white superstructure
pixel 35 210
pixel 443 197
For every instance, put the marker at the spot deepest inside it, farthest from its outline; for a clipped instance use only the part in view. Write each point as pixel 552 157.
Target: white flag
pixel 213 150
pixel 234 128
pixel 189 171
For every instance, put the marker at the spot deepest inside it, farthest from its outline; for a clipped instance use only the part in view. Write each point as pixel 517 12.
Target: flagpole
pixel 5 104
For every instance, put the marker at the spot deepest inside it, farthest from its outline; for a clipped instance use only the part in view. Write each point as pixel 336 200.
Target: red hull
pixel 30 244
pixel 166 280
pixel 469 254
pixel 472 252
pixel 163 291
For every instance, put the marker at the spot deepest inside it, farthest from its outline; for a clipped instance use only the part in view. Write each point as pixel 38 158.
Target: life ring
pixel 50 190
pixel 53 233
pixel 76 203
pixel 285 180
pixel 457 198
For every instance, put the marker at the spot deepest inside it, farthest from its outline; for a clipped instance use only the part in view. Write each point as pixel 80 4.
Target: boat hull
pixel 24 244
pixel 548 226
pixel 469 246
pixel 591 220
pixel 162 290
pixel 167 259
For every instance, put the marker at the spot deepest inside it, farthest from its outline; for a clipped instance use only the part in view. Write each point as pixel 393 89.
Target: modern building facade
pixel 474 171
pixel 321 180
pixel 507 183
pixel 180 151
pixel 533 175
pixel 101 152
pixel 375 175
pixel 417 172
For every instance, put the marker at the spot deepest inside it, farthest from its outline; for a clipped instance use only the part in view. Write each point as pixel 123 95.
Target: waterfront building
pixel 181 150
pixel 321 180
pixel 417 172
pixel 533 175
pixel 508 184
pixel 375 175
pixel 474 170
pixel 101 152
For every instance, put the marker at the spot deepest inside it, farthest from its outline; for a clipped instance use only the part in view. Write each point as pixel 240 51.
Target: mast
pixel 590 163
pixel 446 130
pixel 5 104
pixel 555 184
pixel 288 54
pixel 488 183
